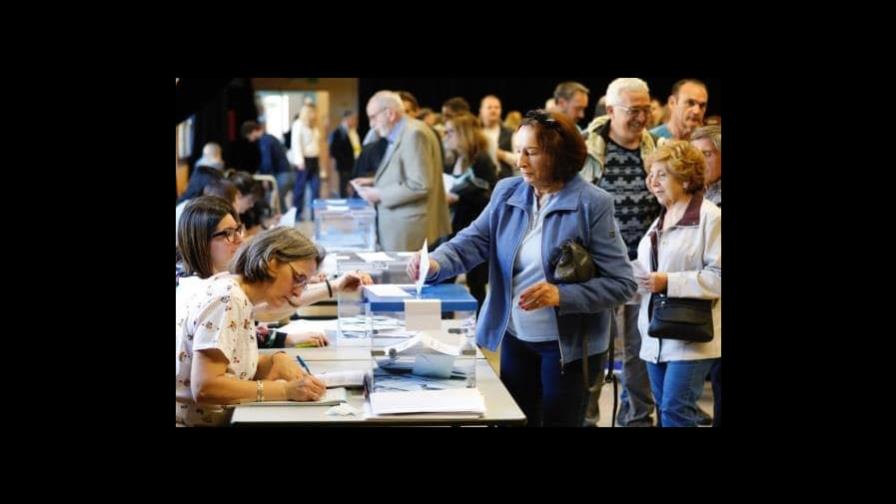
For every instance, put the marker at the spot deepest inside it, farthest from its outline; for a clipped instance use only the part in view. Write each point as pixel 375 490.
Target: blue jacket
pixel 580 210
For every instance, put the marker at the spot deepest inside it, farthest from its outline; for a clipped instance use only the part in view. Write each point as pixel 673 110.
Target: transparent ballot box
pixel 389 315
pixel 344 225
pixel 422 363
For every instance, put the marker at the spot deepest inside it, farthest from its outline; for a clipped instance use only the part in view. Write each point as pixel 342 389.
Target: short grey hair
pixel 388 99
pixel 622 85
pixel 286 244
pixel 713 133
pixel 567 90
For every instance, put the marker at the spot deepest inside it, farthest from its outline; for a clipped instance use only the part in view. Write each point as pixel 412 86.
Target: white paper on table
pixel 387 290
pixel 332 397
pixel 337 202
pixel 374 256
pixel 344 409
pixel 405 254
pixel 423 314
pixel 351 378
pixel 337 208
pixel 289 218
pixel 310 325
pixel 461 400
pixel 424 268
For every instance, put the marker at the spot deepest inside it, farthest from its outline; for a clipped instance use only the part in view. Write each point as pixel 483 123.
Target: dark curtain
pixel 219 107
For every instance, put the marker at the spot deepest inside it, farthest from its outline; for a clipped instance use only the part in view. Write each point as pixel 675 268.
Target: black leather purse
pixel 684 319
pixel 681 318
pixel 574 264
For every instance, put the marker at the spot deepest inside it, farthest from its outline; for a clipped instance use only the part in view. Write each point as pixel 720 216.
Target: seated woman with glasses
pixel 208 237
pixel 541 324
pixel 218 361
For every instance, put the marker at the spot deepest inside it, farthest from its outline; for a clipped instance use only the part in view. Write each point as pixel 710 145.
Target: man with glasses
pixel 687 105
pixel 618 143
pixel 407 187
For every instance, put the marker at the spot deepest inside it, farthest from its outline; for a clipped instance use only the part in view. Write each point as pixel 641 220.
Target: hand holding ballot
pixel 364 187
pixel 414 267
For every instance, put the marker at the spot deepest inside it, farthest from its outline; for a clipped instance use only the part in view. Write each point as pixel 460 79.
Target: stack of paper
pixel 333 397
pixel 465 400
pixel 352 378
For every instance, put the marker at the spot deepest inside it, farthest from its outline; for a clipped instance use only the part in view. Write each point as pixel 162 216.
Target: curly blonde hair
pixel 683 161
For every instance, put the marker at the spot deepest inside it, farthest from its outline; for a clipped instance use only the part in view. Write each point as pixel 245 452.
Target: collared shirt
pixel 661 131
pixel 393 136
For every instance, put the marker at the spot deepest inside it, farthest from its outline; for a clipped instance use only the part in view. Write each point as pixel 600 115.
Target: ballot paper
pixel 333 397
pixel 424 268
pixel 387 290
pixel 419 344
pixel 289 218
pixel 374 256
pixel 433 365
pixel 448 181
pixel 461 400
pixel 349 378
pixel 344 409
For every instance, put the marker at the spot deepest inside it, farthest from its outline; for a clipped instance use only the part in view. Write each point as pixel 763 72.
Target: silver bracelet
pixel 259 391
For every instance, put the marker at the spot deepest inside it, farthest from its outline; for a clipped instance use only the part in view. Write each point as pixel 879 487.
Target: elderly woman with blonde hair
pixel 679 257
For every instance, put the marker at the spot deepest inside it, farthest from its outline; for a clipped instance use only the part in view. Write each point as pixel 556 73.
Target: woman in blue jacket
pixel 542 323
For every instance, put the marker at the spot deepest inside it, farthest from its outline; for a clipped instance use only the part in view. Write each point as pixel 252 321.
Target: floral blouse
pixel 218 316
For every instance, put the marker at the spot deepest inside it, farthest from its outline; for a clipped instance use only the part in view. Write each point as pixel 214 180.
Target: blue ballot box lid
pixel 351 203
pixel 454 297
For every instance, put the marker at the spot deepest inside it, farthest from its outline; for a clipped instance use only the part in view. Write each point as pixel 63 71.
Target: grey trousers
pixel 636 404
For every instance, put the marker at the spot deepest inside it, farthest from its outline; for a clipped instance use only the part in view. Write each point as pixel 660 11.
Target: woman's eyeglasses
pixel 230 234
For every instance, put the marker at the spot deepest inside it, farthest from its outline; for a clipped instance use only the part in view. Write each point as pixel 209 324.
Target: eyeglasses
pixel 371 117
pixel 450 131
pixel 297 279
pixel 634 111
pixel 230 234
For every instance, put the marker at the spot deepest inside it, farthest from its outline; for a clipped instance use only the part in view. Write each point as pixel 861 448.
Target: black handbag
pixel 684 319
pixel 574 264
pixel 681 318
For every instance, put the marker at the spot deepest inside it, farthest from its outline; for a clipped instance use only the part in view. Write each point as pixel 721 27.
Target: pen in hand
pixel 302 362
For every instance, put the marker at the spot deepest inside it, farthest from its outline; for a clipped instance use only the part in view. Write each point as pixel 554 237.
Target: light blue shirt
pixel 661 131
pixel 392 137
pixel 534 325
